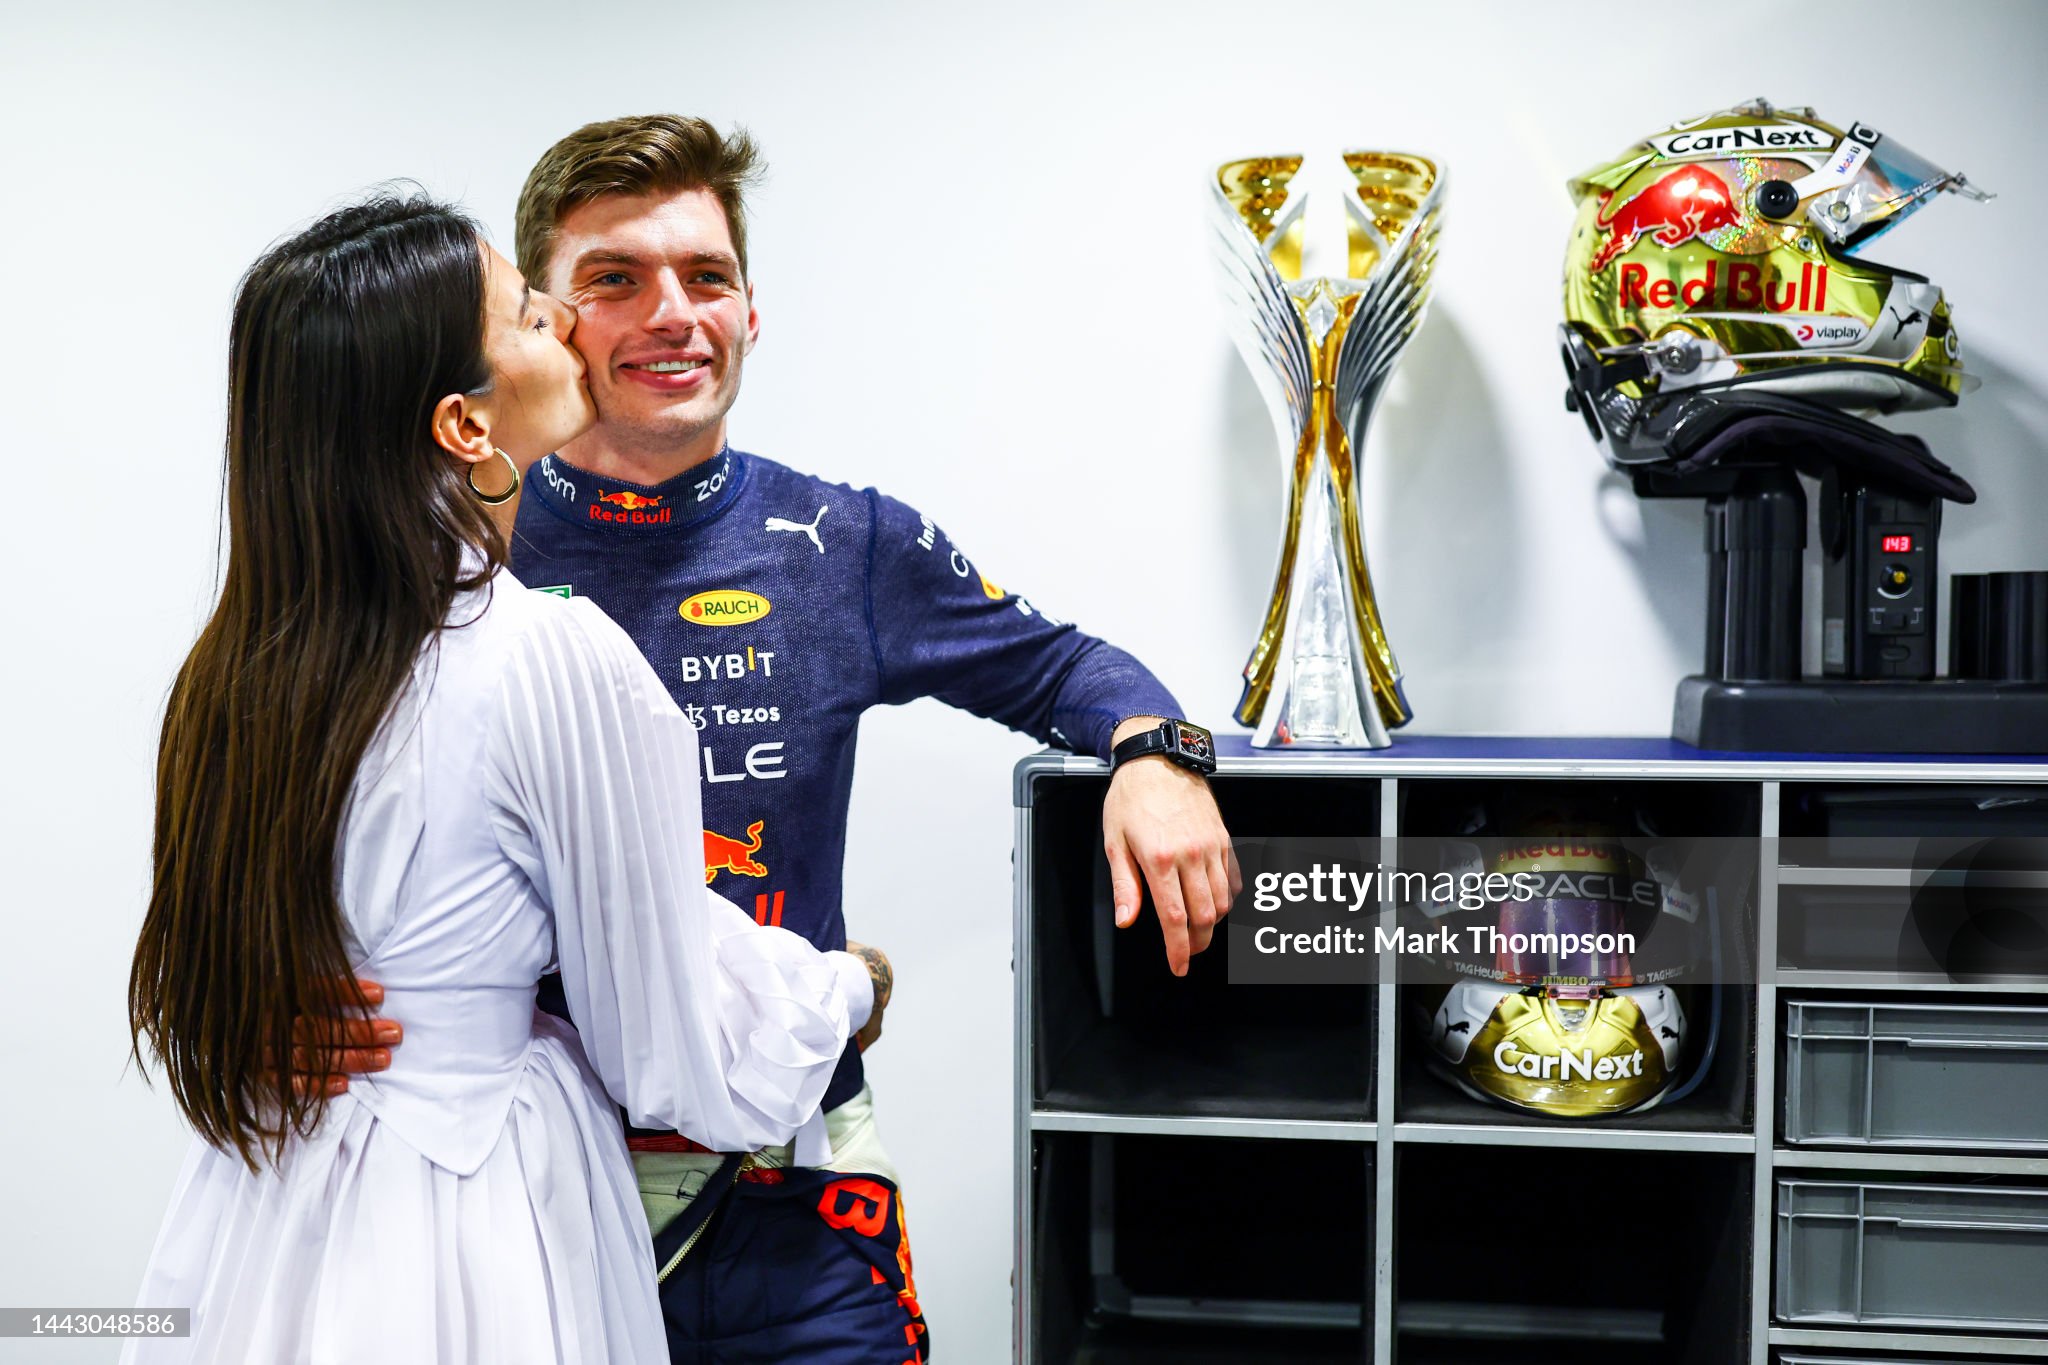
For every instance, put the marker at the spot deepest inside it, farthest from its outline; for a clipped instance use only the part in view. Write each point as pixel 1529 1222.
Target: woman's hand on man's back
pixel 340 1041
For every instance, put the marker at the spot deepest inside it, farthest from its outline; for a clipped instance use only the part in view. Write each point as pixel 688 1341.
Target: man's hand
pixel 1161 820
pixel 329 1046
pixel 884 978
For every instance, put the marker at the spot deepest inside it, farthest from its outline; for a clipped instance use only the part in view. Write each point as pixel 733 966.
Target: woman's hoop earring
pixel 496 499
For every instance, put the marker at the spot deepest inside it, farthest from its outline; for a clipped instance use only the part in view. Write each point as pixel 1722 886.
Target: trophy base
pixel 1844 716
pixel 1321 746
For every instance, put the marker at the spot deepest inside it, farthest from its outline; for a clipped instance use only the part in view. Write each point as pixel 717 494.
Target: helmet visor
pixel 1562 941
pixel 1871 184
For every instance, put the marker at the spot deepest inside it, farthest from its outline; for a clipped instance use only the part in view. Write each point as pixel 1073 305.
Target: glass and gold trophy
pixel 1322 348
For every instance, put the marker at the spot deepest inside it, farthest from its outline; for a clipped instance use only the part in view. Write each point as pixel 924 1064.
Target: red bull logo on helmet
pixel 1751 286
pixel 1689 202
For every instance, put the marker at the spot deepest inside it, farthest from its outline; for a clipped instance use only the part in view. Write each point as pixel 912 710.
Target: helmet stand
pixel 1879 526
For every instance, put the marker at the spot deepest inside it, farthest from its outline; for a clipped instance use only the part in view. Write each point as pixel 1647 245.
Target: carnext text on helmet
pixel 1729 140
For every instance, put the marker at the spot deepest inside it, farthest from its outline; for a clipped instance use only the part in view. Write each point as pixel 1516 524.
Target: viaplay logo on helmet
pixel 1830 332
pixel 1687 203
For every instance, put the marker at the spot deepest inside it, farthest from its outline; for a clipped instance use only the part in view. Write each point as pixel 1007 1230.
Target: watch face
pixel 1194 741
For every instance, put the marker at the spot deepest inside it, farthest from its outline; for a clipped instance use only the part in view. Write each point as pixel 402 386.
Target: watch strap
pixel 1179 742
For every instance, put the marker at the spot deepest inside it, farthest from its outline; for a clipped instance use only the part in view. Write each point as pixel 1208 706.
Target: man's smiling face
pixel 664 319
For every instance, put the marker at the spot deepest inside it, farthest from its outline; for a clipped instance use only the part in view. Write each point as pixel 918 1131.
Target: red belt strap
pixel 668 1142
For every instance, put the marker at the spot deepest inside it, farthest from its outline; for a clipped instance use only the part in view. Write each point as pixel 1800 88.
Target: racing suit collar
pixel 613 507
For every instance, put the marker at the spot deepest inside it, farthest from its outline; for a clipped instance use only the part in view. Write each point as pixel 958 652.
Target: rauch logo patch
pixel 725 607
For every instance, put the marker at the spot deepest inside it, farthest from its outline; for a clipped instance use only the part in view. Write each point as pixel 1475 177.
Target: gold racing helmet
pixel 1564 1034
pixel 1723 254
pixel 1575 1057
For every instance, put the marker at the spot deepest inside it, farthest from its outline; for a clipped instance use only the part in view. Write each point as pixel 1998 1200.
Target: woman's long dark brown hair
pixel 347 528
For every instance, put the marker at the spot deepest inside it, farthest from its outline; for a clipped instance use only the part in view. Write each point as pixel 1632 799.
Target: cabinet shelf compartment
pixel 1904 1073
pixel 1445 807
pixel 1988 929
pixel 1723 1099
pixel 1621 1256
pixel 1722 1102
pixel 1851 824
pixel 1969 1257
pixel 1148 1250
pixel 1113 1031
pixel 1935 1354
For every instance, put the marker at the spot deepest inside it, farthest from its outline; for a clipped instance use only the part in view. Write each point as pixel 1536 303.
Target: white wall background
pixel 982 270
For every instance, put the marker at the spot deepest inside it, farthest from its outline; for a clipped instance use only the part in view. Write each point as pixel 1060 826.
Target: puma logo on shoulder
pixel 811 530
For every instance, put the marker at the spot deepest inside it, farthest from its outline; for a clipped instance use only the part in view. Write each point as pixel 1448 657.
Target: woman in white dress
pixel 385 756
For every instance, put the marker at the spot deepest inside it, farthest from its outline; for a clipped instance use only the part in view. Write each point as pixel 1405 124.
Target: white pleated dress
pixel 532 799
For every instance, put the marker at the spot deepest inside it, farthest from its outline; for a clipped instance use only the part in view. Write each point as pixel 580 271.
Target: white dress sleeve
pixel 696 1018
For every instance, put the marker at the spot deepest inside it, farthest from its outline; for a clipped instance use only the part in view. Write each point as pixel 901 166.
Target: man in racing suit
pixel 778 608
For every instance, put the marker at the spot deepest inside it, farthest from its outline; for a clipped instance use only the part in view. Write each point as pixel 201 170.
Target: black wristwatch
pixel 1177 741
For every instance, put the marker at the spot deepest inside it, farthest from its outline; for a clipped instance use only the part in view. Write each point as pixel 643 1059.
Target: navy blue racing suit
pixel 778 608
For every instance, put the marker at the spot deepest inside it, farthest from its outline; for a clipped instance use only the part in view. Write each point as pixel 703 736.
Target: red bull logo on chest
pixel 630 508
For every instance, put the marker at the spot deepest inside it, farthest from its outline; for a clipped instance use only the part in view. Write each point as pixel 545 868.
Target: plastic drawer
pixel 1878 1074
pixel 1909 1358
pixel 1945 1256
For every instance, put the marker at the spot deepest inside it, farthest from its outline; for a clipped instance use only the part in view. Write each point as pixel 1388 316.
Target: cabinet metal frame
pixel 1479 758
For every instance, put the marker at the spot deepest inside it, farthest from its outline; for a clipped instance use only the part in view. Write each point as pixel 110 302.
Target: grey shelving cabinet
pixel 1209 1172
